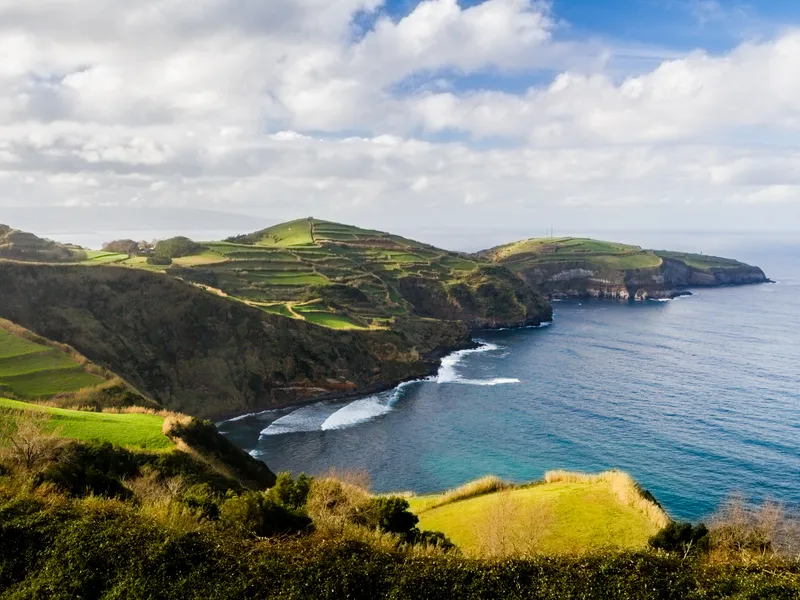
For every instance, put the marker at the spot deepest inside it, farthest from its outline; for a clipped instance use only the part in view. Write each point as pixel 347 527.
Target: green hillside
pixel 566 513
pixel 33 370
pixel 345 277
pixel 127 430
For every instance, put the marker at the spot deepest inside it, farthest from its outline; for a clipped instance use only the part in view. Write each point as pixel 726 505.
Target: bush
pixel 289 493
pixel 82 469
pixel 256 514
pixel 682 537
pixel 203 501
pixel 122 247
pixel 389 515
pixel 177 247
pixel 161 261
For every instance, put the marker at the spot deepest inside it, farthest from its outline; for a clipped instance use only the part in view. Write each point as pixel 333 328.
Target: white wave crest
pixel 308 418
pixel 356 412
pixel 367 409
pixel 448 373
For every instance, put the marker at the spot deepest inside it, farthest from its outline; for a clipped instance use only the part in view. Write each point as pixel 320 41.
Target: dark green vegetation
pixel 102 522
pixel 570 267
pixel 20 245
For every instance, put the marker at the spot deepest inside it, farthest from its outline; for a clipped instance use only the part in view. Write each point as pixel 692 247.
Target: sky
pixel 474 116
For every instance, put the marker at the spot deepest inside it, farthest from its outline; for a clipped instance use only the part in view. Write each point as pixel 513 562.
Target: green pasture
pixel 556 518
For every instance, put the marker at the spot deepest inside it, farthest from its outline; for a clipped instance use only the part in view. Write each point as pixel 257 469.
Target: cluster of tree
pixel 131 247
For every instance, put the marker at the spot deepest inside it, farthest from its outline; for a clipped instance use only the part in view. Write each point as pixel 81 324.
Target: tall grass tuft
pixel 479 487
pixel 624 486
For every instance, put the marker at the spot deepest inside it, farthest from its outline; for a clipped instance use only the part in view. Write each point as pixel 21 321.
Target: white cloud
pixel 289 108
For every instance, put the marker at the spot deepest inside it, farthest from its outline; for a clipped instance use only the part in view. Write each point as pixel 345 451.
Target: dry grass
pixel 623 485
pixel 512 529
pixel 745 532
pixel 333 499
pixel 479 487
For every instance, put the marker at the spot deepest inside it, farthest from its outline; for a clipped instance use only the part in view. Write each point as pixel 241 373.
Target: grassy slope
pixel 603 254
pixel 31 370
pixel 128 430
pixel 610 255
pixel 564 517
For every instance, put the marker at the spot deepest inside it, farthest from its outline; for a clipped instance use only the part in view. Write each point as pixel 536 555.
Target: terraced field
pixel 30 370
pixel 128 430
pixel 350 275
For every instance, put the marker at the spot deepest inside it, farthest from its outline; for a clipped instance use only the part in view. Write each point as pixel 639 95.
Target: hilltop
pixel 345 277
pixel 574 267
pixel 20 245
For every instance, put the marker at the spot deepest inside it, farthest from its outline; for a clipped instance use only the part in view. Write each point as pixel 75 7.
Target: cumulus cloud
pixel 335 107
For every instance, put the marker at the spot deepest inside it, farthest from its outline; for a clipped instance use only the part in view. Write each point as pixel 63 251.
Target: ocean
pixel 698 398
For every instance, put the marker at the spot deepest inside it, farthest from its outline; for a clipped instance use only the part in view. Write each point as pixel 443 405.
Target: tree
pixel 122 247
pixel 27 439
pixel 177 247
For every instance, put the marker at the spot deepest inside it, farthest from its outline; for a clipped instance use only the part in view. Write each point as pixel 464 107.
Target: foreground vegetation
pixel 103 522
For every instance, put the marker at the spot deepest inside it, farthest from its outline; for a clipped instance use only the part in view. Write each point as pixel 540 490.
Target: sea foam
pixel 448 374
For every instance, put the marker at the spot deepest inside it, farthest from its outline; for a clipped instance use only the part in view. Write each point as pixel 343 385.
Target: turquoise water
pixel 697 398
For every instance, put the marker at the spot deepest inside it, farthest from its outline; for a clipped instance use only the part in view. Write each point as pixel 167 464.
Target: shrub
pixel 741 530
pixel 256 514
pixel 122 246
pixel 26 439
pixel 203 501
pixel 291 493
pixel 161 261
pixel 83 469
pixel 389 515
pixel 683 538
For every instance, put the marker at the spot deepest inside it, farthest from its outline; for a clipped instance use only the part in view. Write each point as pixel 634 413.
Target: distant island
pixel 310 309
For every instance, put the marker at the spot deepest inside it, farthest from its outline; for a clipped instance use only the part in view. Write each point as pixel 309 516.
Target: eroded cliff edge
pixel 575 267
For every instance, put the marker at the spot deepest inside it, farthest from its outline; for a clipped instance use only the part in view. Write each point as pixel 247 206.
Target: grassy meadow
pixel 30 370
pixel 132 430
pixel 564 514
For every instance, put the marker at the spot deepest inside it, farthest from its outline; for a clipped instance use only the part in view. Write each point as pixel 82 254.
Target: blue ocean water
pixel 697 398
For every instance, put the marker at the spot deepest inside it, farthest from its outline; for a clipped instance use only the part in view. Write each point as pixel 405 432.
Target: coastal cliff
pixel 574 268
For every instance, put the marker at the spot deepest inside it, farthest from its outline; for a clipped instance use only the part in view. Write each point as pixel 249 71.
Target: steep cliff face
pixel 205 355
pixel 489 297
